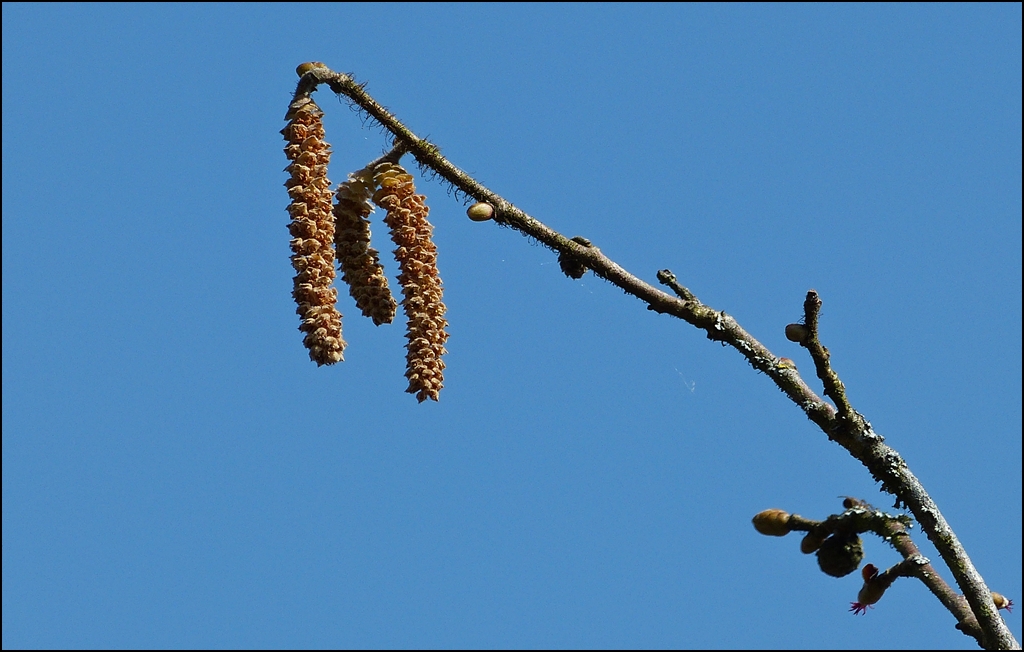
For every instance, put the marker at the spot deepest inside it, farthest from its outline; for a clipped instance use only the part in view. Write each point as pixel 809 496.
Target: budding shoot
pixel 871 592
pixel 1002 602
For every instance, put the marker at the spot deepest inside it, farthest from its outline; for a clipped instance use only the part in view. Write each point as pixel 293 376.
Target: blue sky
pixel 177 473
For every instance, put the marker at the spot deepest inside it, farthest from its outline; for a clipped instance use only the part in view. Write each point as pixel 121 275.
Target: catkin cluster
pixel 421 284
pixel 312 229
pixel 360 263
pixel 322 231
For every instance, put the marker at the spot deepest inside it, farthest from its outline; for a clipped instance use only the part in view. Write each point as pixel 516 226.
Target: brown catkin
pixel 360 263
pixel 421 284
pixel 312 229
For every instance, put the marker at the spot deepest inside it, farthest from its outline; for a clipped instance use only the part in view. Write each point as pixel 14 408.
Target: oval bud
pixel 812 541
pixel 303 68
pixel 772 522
pixel 480 211
pixel 796 333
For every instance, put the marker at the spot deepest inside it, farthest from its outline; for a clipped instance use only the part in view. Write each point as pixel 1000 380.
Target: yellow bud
pixel 303 68
pixel 480 212
pixel 796 332
pixel 772 522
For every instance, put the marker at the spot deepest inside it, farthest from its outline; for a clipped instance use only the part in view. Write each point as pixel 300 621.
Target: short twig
pixel 666 277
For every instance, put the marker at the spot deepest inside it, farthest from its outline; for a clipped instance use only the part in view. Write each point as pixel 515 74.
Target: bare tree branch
pixel 841 423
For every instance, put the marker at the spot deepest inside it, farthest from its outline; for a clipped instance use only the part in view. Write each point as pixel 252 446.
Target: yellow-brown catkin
pixel 421 284
pixel 360 263
pixel 312 229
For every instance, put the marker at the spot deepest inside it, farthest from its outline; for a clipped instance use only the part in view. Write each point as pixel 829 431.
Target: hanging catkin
pixel 312 229
pixel 360 263
pixel 421 284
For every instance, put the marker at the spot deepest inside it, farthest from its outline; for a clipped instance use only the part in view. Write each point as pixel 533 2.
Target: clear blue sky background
pixel 177 473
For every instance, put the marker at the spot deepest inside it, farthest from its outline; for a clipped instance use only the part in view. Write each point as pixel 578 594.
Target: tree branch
pixel 862 517
pixel 844 426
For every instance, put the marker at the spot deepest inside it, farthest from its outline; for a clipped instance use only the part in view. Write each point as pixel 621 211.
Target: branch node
pixel 572 266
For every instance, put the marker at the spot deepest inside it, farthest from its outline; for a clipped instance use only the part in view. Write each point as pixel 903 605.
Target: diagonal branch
pixel 844 426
